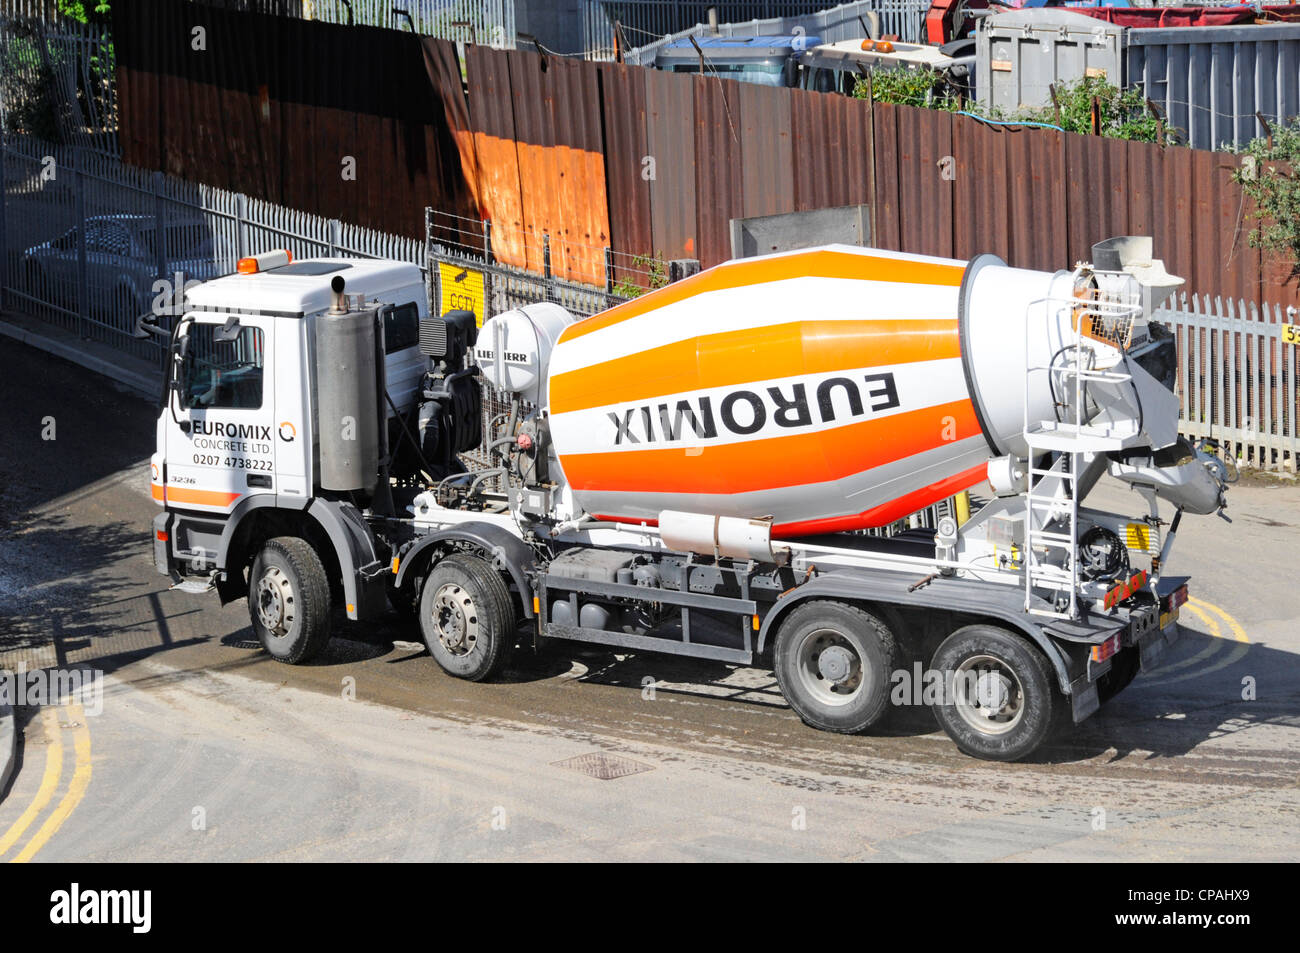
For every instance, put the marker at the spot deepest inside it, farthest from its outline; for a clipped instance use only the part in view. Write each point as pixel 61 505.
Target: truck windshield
pixel 762 74
pixel 222 373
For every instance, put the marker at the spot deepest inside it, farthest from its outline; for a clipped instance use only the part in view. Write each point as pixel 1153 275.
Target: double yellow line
pixel 1223 629
pixel 76 718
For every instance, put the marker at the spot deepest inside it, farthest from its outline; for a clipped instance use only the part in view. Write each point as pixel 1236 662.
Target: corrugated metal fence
pixel 1211 82
pixel 341 121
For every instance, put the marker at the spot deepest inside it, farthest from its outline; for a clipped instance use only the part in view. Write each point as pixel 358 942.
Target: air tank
pixel 347 399
pixel 830 389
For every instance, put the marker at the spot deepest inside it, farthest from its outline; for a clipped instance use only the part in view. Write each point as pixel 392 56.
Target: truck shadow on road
pixel 1194 698
pixel 1207 689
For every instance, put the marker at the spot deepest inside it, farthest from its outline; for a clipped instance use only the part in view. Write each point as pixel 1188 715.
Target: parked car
pixel 123 260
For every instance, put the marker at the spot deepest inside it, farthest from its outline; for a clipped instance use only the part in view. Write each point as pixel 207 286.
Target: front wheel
pixel 833 663
pixel 1000 696
pixel 289 600
pixel 467 618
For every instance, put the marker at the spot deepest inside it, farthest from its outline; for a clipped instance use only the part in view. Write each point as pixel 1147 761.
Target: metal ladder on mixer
pixel 1051 495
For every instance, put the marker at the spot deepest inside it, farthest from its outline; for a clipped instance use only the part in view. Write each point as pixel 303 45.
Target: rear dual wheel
pixel 1001 701
pixel 833 664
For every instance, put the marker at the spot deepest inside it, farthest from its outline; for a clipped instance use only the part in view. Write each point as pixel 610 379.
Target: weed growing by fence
pixel 1121 113
pixel 86 11
pixel 1267 177
pixel 923 88
pixel 650 275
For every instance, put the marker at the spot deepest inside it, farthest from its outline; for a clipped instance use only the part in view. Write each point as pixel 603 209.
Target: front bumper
pixel 161 544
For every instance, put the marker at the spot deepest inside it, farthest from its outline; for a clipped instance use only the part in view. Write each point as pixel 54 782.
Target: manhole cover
pixel 604 766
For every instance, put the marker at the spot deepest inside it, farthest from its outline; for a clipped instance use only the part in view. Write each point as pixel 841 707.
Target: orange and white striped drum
pixel 824 388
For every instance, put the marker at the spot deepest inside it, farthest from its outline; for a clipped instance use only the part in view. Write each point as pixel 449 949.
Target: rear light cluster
pixel 1106 649
pixel 1125 590
pixel 1175 599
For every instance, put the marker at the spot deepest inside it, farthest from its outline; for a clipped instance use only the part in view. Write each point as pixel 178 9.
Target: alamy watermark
pixel 53 686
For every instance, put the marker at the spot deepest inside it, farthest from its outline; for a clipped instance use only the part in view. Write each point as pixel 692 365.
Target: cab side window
pixel 401 328
pixel 222 374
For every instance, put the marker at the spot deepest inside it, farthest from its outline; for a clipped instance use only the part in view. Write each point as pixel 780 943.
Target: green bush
pixel 923 88
pixel 28 85
pixel 1267 177
pixel 1123 112
pixel 86 11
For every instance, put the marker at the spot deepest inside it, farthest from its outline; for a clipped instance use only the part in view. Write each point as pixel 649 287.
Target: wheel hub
pixel 989 696
pixel 835 664
pixel 993 691
pixel 275 601
pixel 829 667
pixel 455 619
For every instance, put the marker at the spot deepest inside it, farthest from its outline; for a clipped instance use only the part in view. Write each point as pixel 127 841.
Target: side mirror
pixel 146 325
pixel 227 332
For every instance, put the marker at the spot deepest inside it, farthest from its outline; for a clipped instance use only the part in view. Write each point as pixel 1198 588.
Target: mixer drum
pixel 825 388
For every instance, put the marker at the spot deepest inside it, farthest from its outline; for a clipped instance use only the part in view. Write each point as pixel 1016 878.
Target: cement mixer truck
pixel 702 471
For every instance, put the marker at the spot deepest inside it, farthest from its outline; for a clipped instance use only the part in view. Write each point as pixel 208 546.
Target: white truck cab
pixel 238 428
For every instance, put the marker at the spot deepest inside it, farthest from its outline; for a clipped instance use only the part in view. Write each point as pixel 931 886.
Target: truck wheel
pixel 289 600
pixel 833 663
pixel 467 618
pixel 1001 701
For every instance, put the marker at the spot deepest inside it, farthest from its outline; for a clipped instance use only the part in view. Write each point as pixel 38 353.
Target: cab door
pixel 220 425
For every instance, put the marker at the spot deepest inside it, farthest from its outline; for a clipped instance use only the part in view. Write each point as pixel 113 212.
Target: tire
pixel 999 665
pixel 467 618
pixel 844 691
pixel 289 600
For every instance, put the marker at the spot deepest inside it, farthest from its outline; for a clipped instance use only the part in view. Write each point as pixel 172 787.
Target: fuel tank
pixel 830 389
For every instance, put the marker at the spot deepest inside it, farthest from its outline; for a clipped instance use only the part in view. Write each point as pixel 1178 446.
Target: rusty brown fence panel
pixel 831 142
pixel 338 121
pixel 673 126
pixel 566 158
pixel 629 165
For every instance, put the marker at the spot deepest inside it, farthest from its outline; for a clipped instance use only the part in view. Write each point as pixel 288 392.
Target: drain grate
pixel 603 766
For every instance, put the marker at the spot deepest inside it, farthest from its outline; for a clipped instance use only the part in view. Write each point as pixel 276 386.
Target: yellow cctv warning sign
pixel 461 289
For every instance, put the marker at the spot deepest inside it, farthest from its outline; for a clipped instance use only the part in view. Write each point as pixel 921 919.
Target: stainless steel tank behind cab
pixel 347 400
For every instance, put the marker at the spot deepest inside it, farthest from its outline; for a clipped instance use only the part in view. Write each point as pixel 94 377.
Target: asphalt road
pixel 201 748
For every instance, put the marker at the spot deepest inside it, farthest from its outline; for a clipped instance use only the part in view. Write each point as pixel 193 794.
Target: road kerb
pixel 8 745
